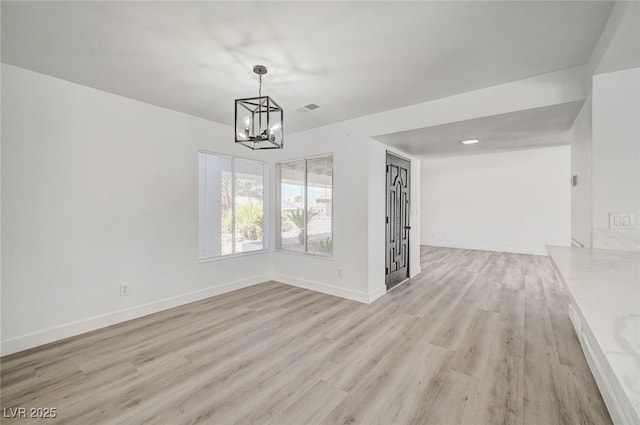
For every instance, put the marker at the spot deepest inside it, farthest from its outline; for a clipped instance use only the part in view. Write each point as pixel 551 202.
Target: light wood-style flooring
pixel 477 338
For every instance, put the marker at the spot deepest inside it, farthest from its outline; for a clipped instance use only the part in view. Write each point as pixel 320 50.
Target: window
pixel 232 205
pixel 306 205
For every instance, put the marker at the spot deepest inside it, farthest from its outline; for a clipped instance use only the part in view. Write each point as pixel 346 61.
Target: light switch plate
pixel 622 220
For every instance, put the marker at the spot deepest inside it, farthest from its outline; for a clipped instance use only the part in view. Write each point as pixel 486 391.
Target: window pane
pixel 226 209
pixel 215 206
pixel 249 201
pixel 319 204
pixel 292 205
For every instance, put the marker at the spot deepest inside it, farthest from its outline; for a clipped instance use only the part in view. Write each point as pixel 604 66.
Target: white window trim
pixel 236 255
pixel 278 184
pixel 328 257
pixel 265 210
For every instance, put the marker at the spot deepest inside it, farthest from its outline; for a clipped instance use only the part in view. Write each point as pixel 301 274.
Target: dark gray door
pixel 397 231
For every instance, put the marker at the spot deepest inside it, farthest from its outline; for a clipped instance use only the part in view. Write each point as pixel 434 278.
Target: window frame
pixel 278 184
pixel 265 207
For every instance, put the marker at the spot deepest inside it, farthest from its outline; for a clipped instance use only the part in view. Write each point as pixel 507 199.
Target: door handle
pixel 407 227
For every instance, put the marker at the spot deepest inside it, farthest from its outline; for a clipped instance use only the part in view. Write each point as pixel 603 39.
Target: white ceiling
pixel 352 59
pixel 528 129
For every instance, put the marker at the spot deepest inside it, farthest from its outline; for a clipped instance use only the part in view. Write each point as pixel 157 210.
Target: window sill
pixel 305 254
pixel 237 255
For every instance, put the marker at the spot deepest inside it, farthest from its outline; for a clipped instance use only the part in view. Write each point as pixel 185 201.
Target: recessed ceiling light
pixel 470 141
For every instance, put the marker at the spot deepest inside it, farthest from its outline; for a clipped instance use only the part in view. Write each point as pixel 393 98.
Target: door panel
pixel 397 222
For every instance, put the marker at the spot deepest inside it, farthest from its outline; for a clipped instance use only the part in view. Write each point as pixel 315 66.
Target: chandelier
pixel 259 120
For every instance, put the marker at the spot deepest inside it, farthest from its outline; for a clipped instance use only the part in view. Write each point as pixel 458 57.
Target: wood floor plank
pixel 411 400
pixel 453 401
pixel 501 388
pixel 477 338
pixel 455 327
pixel 567 343
pixel 473 353
pixel 544 395
pixel 586 405
pixel 312 407
pixel 351 369
pixel 380 383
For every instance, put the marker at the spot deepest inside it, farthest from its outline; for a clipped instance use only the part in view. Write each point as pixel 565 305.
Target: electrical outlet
pixel 622 220
pixel 339 272
pixel 124 289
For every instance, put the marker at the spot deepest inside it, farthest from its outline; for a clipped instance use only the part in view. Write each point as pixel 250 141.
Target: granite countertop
pixel 605 285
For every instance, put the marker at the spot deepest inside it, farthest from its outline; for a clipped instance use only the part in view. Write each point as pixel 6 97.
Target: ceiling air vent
pixel 307 108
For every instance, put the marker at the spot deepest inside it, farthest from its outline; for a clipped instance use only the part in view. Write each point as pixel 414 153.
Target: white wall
pixel 606 151
pixel 513 201
pixel 97 190
pixel 359 216
pixel 581 151
pixel 349 217
pixel 616 156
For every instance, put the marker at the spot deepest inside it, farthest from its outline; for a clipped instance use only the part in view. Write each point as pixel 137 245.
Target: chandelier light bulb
pixel 247 126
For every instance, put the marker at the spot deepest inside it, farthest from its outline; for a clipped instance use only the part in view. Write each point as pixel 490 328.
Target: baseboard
pixel 337 291
pixel 493 248
pixel 57 333
pixel 377 294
